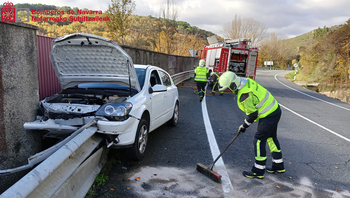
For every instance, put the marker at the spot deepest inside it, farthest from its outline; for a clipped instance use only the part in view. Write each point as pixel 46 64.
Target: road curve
pixel 313 132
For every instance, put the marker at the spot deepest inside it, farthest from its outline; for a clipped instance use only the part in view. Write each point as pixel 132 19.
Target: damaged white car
pixel 99 81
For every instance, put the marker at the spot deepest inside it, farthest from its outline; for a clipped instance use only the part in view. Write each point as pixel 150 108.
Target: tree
pixel 141 32
pixel 274 50
pixel 169 15
pixel 319 32
pixel 294 61
pixel 119 13
pixel 245 28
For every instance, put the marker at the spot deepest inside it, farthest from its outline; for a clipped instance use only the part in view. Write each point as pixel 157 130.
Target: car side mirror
pixel 157 88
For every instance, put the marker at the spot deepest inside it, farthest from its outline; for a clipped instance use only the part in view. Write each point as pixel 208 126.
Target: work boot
pixel 252 175
pixel 275 170
pixel 200 99
pixel 276 167
pixel 221 94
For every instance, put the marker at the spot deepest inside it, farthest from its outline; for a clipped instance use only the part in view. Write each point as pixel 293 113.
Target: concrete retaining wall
pixel 341 95
pixel 18 97
pixel 337 91
pixel 171 63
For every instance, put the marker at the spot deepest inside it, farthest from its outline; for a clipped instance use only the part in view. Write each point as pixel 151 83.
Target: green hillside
pixel 293 44
pixel 324 53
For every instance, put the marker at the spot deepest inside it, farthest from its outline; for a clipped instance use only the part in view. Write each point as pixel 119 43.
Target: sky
pixel 285 18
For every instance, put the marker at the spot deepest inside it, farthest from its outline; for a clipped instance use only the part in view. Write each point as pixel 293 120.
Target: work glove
pixel 241 129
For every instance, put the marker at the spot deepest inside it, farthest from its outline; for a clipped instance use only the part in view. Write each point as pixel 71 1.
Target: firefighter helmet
pixel 229 80
pixel 202 63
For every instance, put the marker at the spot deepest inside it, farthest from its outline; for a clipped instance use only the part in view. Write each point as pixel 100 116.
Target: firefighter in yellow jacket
pixel 201 75
pixel 259 105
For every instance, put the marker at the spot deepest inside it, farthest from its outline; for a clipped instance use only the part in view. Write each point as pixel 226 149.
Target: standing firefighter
pixel 259 105
pixel 201 76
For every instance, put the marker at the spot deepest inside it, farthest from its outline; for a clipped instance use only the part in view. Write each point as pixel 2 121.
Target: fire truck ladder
pixel 243 45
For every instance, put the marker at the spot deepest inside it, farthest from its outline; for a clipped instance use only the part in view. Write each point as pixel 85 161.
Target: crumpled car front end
pixel 61 114
pixel 98 81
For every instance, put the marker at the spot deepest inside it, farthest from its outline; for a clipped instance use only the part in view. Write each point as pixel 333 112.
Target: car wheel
pixel 174 120
pixel 137 151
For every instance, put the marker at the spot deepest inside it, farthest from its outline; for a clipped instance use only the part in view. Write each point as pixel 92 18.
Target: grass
pixel 102 178
pixel 290 76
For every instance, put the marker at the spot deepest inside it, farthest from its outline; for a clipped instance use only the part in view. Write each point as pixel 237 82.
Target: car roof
pixel 140 66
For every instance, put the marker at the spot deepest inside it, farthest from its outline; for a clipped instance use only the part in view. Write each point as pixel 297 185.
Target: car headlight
pixel 115 111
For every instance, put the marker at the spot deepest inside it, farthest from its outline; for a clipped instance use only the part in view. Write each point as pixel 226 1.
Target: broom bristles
pixel 216 177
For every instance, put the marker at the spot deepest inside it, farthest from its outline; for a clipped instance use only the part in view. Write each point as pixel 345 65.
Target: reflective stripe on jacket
pixel 265 103
pixel 201 74
pixel 215 76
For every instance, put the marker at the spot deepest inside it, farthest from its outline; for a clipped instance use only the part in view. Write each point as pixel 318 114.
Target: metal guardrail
pixel 41 156
pixel 182 76
pixel 269 68
pixel 69 170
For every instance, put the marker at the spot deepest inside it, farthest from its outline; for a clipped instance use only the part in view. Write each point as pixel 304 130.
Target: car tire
pixel 175 119
pixel 137 151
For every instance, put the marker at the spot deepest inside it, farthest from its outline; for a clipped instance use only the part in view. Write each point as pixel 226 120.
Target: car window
pixel 165 78
pixel 154 78
pixel 141 76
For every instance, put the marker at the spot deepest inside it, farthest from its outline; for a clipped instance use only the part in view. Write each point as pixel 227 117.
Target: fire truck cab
pixel 232 55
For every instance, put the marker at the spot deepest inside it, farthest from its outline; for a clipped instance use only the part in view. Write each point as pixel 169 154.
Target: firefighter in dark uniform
pixel 201 76
pixel 259 105
pixel 215 78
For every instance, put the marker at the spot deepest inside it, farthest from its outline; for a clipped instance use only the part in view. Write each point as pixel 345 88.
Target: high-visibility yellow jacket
pixel 201 74
pixel 253 97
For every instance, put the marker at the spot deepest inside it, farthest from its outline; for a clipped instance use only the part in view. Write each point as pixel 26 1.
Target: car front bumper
pixel 124 130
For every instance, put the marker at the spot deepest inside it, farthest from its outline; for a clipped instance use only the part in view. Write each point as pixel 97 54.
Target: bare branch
pixel 245 28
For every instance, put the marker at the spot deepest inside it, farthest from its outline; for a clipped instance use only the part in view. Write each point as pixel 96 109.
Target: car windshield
pixel 99 88
pixel 141 75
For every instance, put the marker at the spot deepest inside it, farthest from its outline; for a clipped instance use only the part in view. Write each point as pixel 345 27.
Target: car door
pixel 157 102
pixel 170 94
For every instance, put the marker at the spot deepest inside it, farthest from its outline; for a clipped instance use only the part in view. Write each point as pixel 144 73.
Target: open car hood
pixel 85 58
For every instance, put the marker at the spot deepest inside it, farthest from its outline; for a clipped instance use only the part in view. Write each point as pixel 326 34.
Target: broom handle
pixel 224 151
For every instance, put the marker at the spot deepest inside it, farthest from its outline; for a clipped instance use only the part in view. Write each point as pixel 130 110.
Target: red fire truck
pixel 233 55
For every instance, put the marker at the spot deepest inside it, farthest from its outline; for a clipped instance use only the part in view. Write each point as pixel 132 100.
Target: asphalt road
pixel 313 132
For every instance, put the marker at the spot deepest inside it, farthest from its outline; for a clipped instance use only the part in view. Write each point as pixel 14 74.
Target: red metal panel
pixel 222 67
pixel 256 64
pixel 48 82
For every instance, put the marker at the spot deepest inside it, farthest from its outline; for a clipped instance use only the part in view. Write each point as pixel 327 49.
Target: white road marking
pixel 307 119
pixel 315 123
pixel 310 95
pixel 215 151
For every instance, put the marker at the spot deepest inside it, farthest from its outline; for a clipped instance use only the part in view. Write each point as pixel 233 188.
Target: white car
pixel 99 81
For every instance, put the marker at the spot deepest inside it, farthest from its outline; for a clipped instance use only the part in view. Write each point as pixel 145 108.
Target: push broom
pixel 208 171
